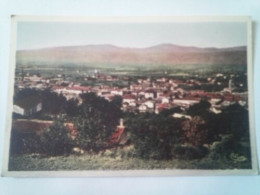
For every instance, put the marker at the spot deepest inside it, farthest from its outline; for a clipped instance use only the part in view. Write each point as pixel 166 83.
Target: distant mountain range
pixel 163 54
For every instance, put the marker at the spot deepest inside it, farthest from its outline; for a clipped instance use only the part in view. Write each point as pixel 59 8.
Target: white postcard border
pixel 129 173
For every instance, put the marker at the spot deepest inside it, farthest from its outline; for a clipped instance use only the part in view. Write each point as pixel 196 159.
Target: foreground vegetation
pixel 33 162
pixel 154 141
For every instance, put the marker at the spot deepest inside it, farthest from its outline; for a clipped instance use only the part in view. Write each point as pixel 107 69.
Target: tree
pixel 232 128
pixel 200 109
pixel 154 136
pixel 53 103
pixel 235 121
pixel 171 111
pixel 56 140
pixel 96 121
pixel 72 108
pixel 24 143
pixel 194 132
pixel 27 92
pixel 117 101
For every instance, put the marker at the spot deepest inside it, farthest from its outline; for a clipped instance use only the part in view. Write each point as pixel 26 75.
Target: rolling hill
pixel 163 54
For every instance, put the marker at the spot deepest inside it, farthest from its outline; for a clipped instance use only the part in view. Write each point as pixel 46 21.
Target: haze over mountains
pixel 163 54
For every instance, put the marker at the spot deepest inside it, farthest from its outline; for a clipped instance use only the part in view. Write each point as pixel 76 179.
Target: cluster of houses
pixel 143 95
pixel 154 96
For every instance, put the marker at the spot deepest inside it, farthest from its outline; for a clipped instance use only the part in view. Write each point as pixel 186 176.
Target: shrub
pixel 189 152
pixel 233 150
pixel 24 143
pixel 223 148
pixel 56 140
pixel 96 121
pixel 153 135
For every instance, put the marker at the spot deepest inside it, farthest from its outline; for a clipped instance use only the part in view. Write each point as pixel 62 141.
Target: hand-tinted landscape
pixel 109 107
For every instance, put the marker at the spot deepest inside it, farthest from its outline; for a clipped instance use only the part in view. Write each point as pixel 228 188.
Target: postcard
pixel 130 96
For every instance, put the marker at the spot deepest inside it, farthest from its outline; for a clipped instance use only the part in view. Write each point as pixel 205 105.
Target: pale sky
pixel 32 35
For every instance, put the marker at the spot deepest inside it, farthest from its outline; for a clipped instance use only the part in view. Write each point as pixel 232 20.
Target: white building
pixel 128 98
pixel 149 94
pixel 117 92
pixel 27 106
pixel 165 100
pixel 185 102
pixel 142 108
pixel 178 115
pixel 34 78
pixel 149 104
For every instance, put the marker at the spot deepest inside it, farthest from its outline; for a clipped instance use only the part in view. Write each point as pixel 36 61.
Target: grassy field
pixel 28 162
pixel 130 70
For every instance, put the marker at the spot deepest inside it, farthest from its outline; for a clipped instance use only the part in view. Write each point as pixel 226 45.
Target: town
pixel 142 94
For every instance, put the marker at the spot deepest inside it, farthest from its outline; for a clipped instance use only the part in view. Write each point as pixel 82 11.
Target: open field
pixel 32 162
pixel 76 70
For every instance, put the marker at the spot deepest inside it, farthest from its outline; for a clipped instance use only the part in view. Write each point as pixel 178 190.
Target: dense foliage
pixel 205 135
pixel 154 136
pixel 56 140
pixel 96 120
pixel 53 141
pixel 53 104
